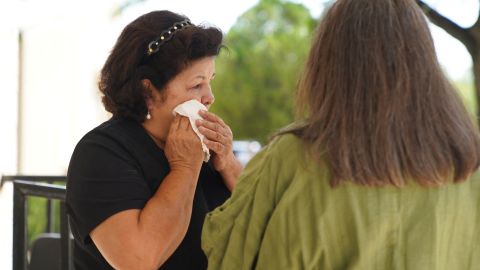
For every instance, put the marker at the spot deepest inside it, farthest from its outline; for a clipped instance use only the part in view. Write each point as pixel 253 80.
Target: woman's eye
pixel 198 86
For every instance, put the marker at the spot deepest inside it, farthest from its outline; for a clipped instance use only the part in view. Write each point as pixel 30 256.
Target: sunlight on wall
pixel 60 101
pixel 8 100
pixel 8 137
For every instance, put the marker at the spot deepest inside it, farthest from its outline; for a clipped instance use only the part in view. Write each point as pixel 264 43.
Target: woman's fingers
pixel 175 123
pixel 214 146
pixel 182 146
pixel 211 117
pixel 215 127
pixel 218 136
pixel 212 135
pixel 184 123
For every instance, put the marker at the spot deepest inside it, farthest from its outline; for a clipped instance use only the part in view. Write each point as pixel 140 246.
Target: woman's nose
pixel 208 98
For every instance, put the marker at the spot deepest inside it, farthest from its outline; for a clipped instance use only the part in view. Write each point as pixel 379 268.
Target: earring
pixel 149 116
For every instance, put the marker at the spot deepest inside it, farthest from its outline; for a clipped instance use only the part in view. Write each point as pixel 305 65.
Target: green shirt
pixel 283 214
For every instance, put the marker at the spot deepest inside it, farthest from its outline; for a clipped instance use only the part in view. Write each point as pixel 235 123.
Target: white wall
pixel 62 54
pixel 60 100
pixel 8 99
pixel 8 135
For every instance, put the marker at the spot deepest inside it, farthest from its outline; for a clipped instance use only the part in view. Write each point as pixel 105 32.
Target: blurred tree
pixel 470 37
pixel 124 5
pixel 257 74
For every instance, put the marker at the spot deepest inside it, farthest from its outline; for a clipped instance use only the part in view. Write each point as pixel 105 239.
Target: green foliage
pixel 37 217
pixel 36 213
pixel 467 93
pixel 257 74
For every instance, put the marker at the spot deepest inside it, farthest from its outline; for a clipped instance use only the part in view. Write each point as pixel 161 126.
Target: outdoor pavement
pixel 6 222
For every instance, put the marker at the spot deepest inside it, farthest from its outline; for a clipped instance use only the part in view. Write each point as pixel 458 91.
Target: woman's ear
pixel 152 94
pixel 147 88
pixel 146 83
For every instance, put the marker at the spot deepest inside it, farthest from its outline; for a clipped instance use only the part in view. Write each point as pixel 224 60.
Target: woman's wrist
pixel 230 164
pixel 185 171
pixel 231 171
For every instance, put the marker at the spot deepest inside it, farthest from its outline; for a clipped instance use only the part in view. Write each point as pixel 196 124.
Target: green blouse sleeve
pixel 232 233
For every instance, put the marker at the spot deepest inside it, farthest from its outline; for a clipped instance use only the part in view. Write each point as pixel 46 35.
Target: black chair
pixel 45 252
pixel 51 251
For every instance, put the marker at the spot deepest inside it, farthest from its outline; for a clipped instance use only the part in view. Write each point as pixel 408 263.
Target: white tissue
pixel 190 109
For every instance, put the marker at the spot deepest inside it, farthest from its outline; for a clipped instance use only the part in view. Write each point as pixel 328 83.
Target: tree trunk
pixel 476 79
pixel 470 37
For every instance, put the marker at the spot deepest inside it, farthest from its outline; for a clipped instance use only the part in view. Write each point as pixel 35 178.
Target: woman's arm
pixel 146 238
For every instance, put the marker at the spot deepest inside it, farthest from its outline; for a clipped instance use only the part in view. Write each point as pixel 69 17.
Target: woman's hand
pixel 219 139
pixel 182 147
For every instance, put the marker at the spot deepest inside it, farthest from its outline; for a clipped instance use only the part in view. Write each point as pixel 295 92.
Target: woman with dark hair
pixel 137 191
pixel 376 173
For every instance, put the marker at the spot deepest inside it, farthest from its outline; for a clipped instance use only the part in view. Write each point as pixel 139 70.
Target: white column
pixel 8 135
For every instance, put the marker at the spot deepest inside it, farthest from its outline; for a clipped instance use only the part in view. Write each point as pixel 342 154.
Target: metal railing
pixel 32 178
pixel 23 189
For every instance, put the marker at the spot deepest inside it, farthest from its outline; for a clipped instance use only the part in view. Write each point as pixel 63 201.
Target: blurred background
pixel 51 53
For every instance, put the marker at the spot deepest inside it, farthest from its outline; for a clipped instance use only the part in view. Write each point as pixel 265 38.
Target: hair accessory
pixel 166 35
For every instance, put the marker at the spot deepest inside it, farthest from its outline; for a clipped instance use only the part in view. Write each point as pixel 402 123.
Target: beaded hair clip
pixel 166 35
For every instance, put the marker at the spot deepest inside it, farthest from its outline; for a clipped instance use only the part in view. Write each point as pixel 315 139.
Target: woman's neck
pixel 157 132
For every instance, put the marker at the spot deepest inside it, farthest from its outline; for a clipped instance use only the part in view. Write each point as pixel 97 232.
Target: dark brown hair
pixel 129 63
pixel 379 110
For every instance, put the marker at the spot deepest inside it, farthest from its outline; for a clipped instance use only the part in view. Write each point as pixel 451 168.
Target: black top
pixel 117 166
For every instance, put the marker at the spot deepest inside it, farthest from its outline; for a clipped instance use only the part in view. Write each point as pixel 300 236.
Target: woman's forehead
pixel 199 69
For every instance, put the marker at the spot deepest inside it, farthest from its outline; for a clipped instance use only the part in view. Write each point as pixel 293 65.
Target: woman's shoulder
pixel 115 131
pixel 113 126
pixel 118 138
pixel 287 140
pixel 286 146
